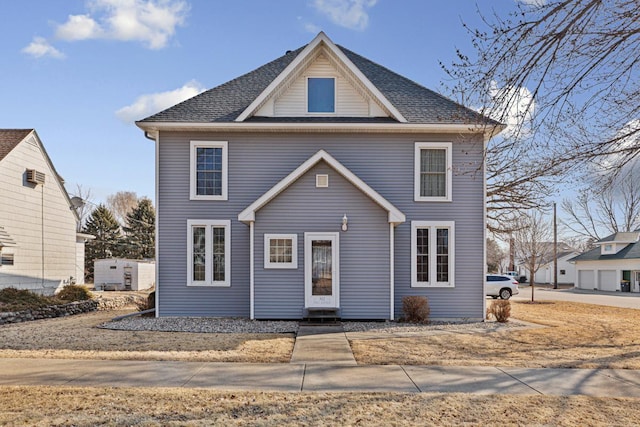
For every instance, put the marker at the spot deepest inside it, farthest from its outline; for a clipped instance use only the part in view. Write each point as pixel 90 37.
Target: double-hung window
pixel 432 253
pixel 321 95
pixel 280 251
pixel 432 172
pixel 208 165
pixel 209 252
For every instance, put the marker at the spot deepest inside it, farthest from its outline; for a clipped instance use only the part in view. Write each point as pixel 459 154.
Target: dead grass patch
pixel 578 336
pixel 66 406
pixel 75 337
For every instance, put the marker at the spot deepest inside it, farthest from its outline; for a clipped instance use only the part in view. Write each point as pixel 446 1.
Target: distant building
pixel 116 274
pixel 614 264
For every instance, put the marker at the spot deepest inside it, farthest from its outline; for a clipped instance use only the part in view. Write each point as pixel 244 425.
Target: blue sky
pixel 81 71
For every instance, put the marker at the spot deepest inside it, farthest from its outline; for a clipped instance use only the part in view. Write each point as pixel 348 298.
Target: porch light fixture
pixel 345 220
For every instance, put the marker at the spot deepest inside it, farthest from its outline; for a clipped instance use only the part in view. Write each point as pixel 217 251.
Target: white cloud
pixel 152 22
pixel 350 14
pixel 146 105
pixel 629 138
pixel 311 28
pixel 515 107
pixel 79 27
pixel 40 47
pixel 533 2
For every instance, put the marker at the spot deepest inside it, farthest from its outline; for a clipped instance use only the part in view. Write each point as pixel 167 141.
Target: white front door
pixel 636 285
pixel 321 270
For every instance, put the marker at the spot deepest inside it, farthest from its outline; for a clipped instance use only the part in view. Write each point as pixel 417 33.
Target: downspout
pixel 251 272
pixel 156 139
pixel 391 270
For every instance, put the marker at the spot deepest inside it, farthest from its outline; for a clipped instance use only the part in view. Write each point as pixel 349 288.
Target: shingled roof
pixel 224 103
pixel 632 251
pixel 9 138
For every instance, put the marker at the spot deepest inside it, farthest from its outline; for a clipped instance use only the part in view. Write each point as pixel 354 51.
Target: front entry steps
pixel 322 315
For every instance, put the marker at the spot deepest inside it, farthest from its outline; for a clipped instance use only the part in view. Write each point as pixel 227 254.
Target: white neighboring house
pixel 544 274
pixel 40 249
pixel 566 269
pixel 124 274
pixel 616 259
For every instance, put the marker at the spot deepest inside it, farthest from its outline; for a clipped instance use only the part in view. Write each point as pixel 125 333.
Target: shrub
pixel 12 299
pixel 147 303
pixel 415 309
pixel 74 293
pixel 500 309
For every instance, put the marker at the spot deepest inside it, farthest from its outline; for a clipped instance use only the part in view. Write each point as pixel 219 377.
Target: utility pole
pixel 555 248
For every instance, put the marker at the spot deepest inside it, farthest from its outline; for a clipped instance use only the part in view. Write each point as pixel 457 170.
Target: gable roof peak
pixel 10 138
pixel 301 60
pixel 395 216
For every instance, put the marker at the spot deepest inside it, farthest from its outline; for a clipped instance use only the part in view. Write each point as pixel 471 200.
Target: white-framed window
pixel 433 166
pixel 281 251
pixel 321 94
pixel 432 253
pixel 208 170
pixel 209 252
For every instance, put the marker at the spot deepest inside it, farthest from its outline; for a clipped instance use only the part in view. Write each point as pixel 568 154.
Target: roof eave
pixel 487 131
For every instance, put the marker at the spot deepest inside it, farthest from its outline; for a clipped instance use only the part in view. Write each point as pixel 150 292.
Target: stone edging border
pixel 62 310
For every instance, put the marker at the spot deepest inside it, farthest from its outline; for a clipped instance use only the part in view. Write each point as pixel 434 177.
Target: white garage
pixel 586 279
pixel 607 280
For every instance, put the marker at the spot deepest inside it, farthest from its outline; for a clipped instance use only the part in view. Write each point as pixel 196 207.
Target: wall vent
pixel 322 181
pixel 35 177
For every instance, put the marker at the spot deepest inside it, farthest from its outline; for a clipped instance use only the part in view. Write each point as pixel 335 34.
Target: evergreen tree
pixel 140 231
pixel 103 225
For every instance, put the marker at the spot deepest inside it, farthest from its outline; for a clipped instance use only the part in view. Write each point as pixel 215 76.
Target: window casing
pixel 209 253
pixel 281 251
pixel 208 170
pixel 321 95
pixel 6 258
pixel 432 253
pixel 432 169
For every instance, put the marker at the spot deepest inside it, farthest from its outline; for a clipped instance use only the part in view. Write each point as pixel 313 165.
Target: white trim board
pixel 249 214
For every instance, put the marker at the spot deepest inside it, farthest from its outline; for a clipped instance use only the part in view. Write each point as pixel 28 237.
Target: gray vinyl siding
pixel 257 162
pixel 363 249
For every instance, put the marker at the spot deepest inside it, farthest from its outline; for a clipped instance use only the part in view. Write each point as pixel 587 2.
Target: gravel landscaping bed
pixel 246 326
pixel 202 325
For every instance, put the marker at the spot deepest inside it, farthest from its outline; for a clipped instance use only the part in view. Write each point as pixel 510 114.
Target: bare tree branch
pixel 564 77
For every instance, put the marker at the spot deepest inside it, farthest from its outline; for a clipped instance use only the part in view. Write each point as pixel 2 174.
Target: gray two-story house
pixel 319 180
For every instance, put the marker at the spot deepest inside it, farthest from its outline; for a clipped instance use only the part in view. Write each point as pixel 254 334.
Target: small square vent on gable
pixel 322 181
pixel 35 177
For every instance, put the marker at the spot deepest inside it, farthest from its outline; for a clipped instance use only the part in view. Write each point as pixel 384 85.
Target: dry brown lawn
pixel 76 337
pixel 70 406
pixel 576 336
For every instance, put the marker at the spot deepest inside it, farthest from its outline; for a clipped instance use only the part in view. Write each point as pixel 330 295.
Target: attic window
pixel 321 95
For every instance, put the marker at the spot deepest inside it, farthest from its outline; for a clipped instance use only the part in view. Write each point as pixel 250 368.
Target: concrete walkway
pixel 322 345
pixel 309 377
